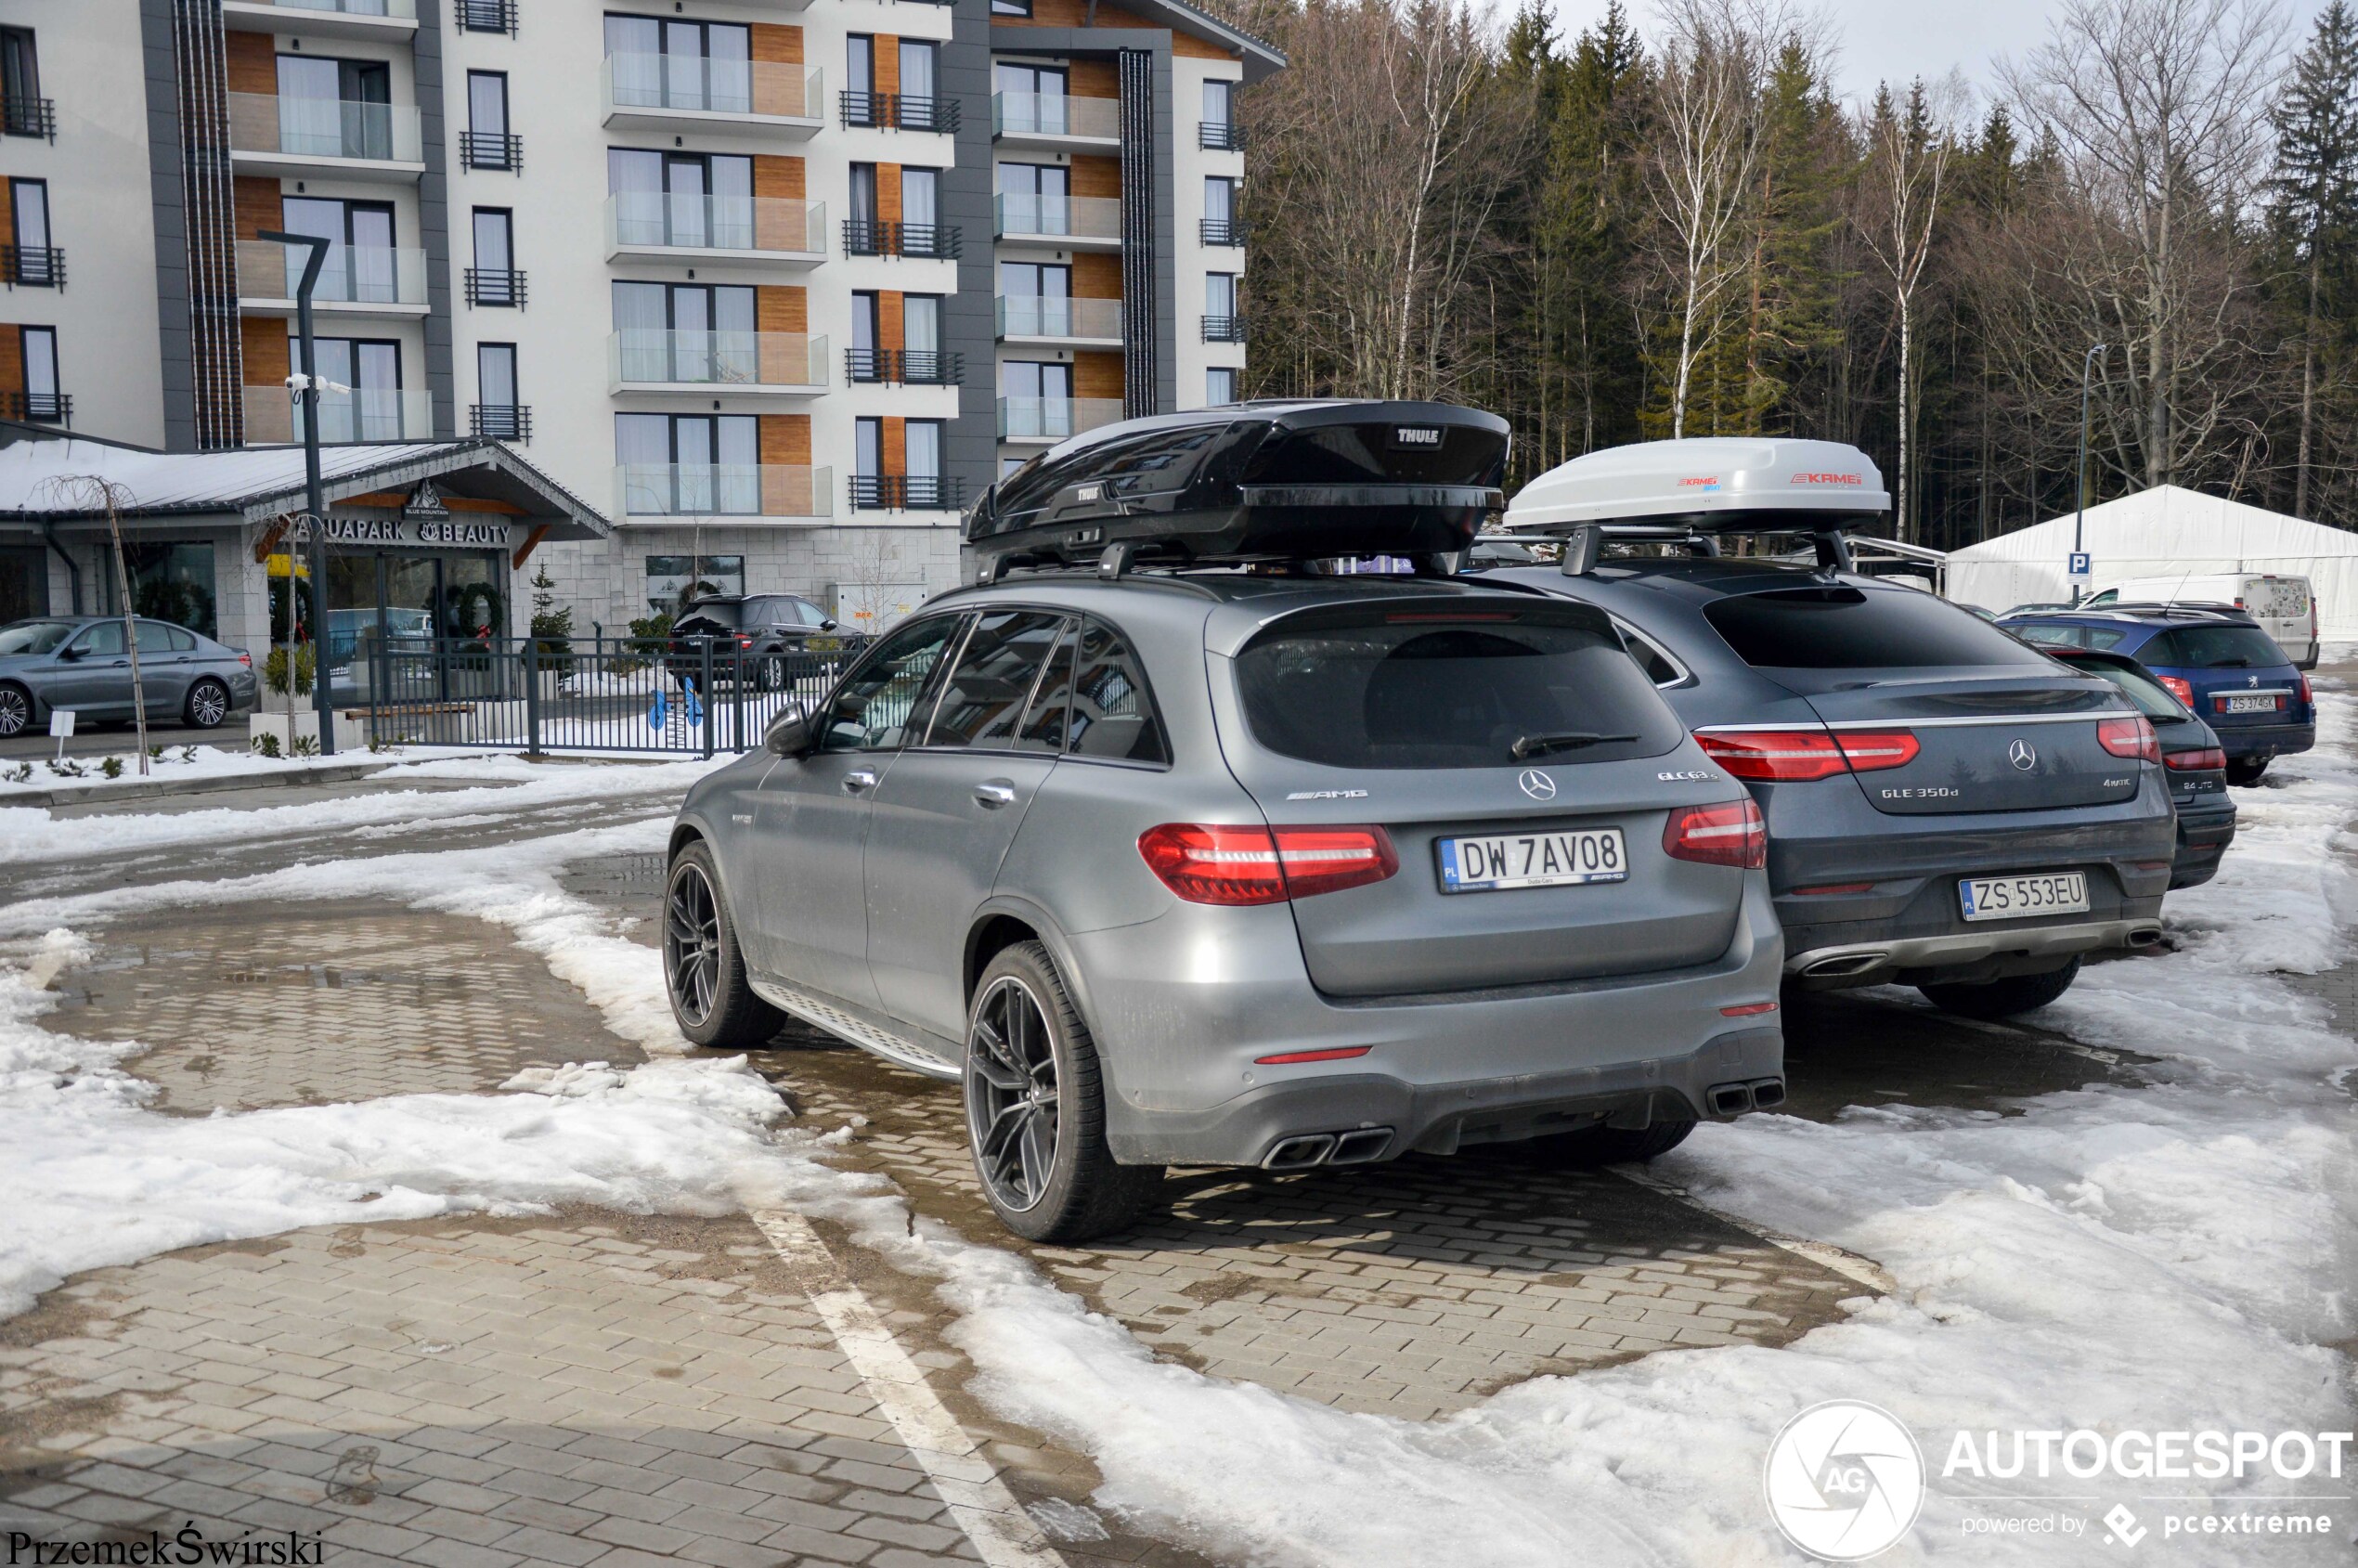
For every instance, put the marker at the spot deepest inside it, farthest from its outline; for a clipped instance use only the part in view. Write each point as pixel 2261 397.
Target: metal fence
pixel 690 695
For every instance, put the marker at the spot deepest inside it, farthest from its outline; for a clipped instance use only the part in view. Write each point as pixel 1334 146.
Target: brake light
pixel 2239 601
pixel 1731 835
pixel 1207 864
pixel 1785 756
pixel 246 660
pixel 745 641
pixel 2131 737
pixel 2300 687
pixel 2209 760
pixel 2180 687
pixel 1869 751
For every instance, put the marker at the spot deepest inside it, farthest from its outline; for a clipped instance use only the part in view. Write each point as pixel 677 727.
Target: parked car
pixel 1946 807
pixel 781 639
pixel 1208 867
pixel 2191 755
pixel 84 663
pixel 2282 605
pixel 2217 662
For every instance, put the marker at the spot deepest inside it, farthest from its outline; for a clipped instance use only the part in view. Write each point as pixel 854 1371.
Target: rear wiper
pixel 1570 740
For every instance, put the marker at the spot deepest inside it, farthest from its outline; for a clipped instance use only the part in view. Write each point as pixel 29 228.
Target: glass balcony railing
pixel 324 128
pixel 658 220
pixel 397 10
pixel 1052 418
pixel 1022 317
pixel 1055 115
pixel 350 274
pixel 655 84
pixel 1057 217
pixel 364 413
pixel 723 490
pixel 646 356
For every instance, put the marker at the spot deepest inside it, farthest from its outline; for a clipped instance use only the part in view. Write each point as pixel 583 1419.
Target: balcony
pixel 1064 322
pixel 1224 329
pixel 366 413
pixel 734 492
pixel 36 407
pixel 925 241
pixel 396 20
pixel 293 139
pixel 1220 135
pixel 647 359
pixel 35 266
pixel 903 366
pixel 353 280
pixel 29 117
pixel 1221 231
pixel 500 422
pixel 501 151
pixel 905 492
pixel 489 287
pixel 899 112
pixel 693 92
pixel 1068 223
pixel 487 15
pixel 1055 120
pixel 1040 420
pixel 716 230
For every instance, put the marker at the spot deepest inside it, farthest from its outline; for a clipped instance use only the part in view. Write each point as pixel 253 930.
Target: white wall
pixel 1190 165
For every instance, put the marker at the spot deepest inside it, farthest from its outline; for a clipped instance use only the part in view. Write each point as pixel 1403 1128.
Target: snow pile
pixel 179 762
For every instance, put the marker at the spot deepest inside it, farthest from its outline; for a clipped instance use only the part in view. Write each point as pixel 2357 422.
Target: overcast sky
pixel 1893 40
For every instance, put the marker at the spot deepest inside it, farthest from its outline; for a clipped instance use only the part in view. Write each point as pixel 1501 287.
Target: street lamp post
pixel 2079 518
pixel 312 502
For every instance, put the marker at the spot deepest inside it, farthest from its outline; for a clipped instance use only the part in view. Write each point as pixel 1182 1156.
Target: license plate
pixel 1532 860
pixel 2248 705
pixel 2019 898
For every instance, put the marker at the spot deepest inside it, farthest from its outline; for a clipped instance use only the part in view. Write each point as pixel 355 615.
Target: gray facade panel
pixel 434 220
pixel 177 354
pixel 970 446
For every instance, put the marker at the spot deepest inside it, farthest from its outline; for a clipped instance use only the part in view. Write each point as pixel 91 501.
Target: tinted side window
pixel 2053 636
pixel 101 641
pixel 1045 721
pixel 1839 627
pixel 889 692
pixel 984 701
pixel 1113 716
pixel 810 613
pixel 177 639
pixel 2105 637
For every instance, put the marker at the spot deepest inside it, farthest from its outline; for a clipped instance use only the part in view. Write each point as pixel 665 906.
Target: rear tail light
pixel 1797 756
pixel 246 660
pixel 2301 685
pixel 2210 760
pixel 1731 835
pixel 745 641
pixel 2180 687
pixel 1870 750
pixel 2131 737
pixel 1207 864
pixel 2239 601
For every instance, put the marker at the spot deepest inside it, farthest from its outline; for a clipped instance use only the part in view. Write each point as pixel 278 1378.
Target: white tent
pixel 2163 532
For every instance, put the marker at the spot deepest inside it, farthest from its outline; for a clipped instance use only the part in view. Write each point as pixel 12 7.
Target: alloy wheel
pixel 692 943
pixel 1011 1095
pixel 16 711
pixel 208 705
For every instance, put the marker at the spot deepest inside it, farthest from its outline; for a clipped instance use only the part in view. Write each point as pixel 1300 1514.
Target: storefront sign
pixel 424 505
pixel 442 533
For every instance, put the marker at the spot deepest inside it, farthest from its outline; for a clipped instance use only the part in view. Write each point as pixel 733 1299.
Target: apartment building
pixel 775 285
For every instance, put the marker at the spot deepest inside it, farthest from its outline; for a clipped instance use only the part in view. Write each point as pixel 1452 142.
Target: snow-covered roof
pixel 1725 483
pixel 264 482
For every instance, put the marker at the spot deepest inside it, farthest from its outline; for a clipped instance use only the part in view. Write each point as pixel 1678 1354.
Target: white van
pixel 2285 607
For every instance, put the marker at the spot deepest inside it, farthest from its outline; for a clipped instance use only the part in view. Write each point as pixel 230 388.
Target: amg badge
pixel 1328 795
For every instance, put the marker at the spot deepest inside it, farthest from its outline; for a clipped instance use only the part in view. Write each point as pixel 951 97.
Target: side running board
pixel 857 1031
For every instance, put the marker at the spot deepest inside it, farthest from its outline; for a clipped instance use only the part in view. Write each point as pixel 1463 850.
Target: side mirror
pixel 827 625
pixel 69 656
pixel 789 733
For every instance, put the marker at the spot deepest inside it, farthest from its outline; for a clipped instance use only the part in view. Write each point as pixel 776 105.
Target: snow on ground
pixel 181 762
pixel 2170 1255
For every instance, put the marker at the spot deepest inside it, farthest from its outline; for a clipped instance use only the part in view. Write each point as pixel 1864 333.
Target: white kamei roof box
pixel 1713 484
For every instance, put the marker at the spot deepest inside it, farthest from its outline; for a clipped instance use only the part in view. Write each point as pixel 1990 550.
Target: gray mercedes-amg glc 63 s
pixel 1248 866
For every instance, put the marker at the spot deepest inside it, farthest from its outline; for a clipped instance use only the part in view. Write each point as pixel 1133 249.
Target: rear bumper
pixel 2203 837
pixel 2021 949
pixel 2244 741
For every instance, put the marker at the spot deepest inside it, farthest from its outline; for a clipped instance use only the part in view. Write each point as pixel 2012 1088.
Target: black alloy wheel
pixel 1011 1095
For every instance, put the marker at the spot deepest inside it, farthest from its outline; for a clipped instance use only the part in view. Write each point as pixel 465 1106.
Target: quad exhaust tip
pixel 1846 963
pixel 1357 1149
pixel 2144 935
pixel 1729 1099
pixel 1307 1149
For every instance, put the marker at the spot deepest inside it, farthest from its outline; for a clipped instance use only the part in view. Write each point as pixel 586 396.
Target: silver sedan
pixel 84 663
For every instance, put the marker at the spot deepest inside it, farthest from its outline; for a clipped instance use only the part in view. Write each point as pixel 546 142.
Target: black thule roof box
pixel 1269 481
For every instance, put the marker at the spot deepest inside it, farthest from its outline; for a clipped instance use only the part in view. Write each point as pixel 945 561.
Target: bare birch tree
pixel 1908 148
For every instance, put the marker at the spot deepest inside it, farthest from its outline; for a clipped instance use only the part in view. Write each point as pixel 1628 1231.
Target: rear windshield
pixel 1838 626
pixel 1371 688
pixel 2214 647
pixel 2151 698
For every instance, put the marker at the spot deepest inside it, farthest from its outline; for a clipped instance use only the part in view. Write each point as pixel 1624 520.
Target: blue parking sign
pixel 2083 565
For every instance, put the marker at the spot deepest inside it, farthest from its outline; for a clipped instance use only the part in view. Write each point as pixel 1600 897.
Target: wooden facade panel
pixel 11 359
pixel 785 440
pixel 7 213
pixel 1092 79
pixel 889 192
pixel 891 322
pixel 253 63
pixel 259 205
pixel 1095 176
pixel 886 56
pixel 1196 48
pixel 1096 374
pixel 778 177
pixel 269 353
pixel 896 447
pixel 782 307
pixel 777 45
pixel 784 443
pixel 1097 275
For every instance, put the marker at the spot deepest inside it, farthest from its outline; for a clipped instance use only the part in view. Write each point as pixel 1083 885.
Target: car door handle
pixel 993 794
pixel 859 781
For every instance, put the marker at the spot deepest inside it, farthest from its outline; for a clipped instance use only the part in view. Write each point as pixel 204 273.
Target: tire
pixel 2247 770
pixel 206 705
pixel 1036 1109
pixel 16 711
pixel 1592 1147
pixel 2002 999
pixel 704 969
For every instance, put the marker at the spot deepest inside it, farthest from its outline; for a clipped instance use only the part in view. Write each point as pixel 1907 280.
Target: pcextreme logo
pixel 1844 1480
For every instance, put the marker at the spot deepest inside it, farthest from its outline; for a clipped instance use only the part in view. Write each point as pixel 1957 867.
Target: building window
pixel 1032 99
pixel 925 488
pixel 919 105
pixel 673 63
pixel 864 233
pixel 862 105
pixel 362 267
pixel 1218 131
pixel 1220 226
pixel 688 465
pixel 1221 322
pixel 494 280
pixel 922 361
pixel 1035 199
pixel 674 580
pixel 1011 7
pixel 335 108
pixel 24 111
pixel 1035 300
pixel 169 581
pixel 866 356
pixel 488 143
pixel 868 487
pixel 37 368
pixel 1219 385
pixel 374 409
pixel 1035 400
pixel 501 413
pixel 31 258
pixel 697 332
pixel 921 230
pixel 688 200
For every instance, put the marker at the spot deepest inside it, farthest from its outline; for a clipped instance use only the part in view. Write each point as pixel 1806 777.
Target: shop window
pixel 169 581
pixel 672 580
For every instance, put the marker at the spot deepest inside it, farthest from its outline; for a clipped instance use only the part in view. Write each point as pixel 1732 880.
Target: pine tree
pixel 2316 187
